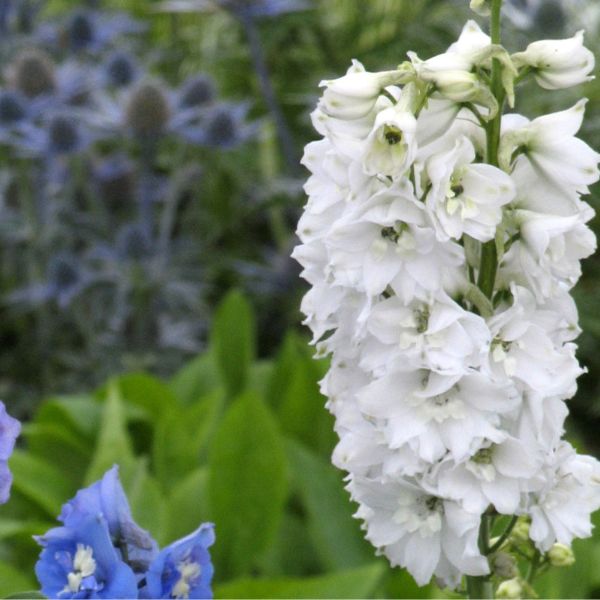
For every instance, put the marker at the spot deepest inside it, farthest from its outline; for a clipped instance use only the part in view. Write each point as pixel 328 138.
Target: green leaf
pixel 41 481
pixel 80 413
pixel 233 341
pixel 356 583
pixel 197 378
pixel 66 447
pixel 113 445
pixel 181 435
pixel 12 581
pixel 336 535
pixel 147 502
pixel 30 595
pixel 13 527
pixel 247 485
pixel 187 504
pixel 147 392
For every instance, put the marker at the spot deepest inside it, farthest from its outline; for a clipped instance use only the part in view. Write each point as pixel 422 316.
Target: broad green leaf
pixel 13 581
pixel 283 369
pixel 302 410
pixel 233 341
pixel 147 502
pixel 67 448
pixel 284 559
pixel 181 435
pixel 196 379
pixel 337 537
pixel 356 583
pixel 247 485
pixel 187 504
pixel 259 376
pixel 41 481
pixel 113 445
pixel 25 595
pixel 81 413
pixel 147 392
pixel 13 527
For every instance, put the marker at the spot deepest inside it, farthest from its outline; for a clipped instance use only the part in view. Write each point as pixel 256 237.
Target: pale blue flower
pixel 81 562
pixel 9 431
pixel 183 569
pixel 107 498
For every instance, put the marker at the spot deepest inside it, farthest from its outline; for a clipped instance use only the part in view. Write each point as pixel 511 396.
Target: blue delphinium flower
pixel 107 497
pixel 81 562
pixel 9 431
pixel 183 569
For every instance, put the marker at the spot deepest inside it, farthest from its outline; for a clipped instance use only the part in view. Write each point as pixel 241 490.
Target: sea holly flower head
pixel 83 563
pixel 183 569
pixel 9 431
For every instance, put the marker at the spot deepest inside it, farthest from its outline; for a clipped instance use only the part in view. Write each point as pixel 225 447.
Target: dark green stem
pixel 498 544
pixel 489 255
pixel 481 587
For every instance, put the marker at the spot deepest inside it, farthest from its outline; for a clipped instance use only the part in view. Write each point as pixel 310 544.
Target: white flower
pixel 561 511
pixel 497 473
pixel 418 530
pixel 391 146
pixel 387 242
pixel 436 334
pixel 435 414
pixel 523 350
pixel 549 146
pixel 354 95
pixel 558 64
pixel 466 197
pixel 547 256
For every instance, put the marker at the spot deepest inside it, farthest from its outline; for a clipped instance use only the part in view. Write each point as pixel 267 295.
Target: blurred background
pixel 149 190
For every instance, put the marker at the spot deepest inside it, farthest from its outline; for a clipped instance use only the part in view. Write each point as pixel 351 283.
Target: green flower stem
pixel 489 254
pixel 498 544
pixel 481 587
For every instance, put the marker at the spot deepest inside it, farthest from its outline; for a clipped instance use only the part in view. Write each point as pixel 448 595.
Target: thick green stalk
pixel 489 255
pixel 481 587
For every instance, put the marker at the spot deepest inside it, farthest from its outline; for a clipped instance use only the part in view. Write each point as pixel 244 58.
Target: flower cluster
pixel 104 206
pixel 100 552
pixel 441 239
pixel 9 431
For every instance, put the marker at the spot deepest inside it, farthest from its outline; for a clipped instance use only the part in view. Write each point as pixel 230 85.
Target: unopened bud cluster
pixel 449 399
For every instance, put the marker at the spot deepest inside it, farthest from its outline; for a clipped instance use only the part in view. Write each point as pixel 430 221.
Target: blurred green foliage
pixel 250 454
pixel 243 440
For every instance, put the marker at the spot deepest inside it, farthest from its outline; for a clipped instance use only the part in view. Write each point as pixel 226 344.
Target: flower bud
pixel 148 110
pixel 520 532
pixel 354 95
pixel 510 589
pixel 561 556
pixel 558 64
pixel 504 565
pixel 32 73
pixel 481 7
